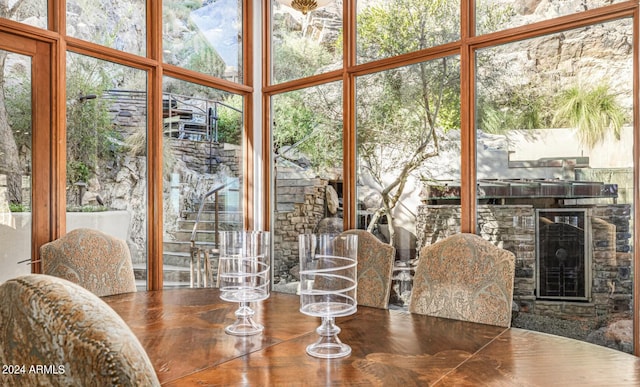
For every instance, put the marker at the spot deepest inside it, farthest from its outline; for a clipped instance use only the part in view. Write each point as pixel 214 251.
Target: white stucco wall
pixel 15 235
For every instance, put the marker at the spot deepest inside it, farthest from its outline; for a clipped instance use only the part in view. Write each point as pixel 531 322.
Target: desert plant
pixel 594 112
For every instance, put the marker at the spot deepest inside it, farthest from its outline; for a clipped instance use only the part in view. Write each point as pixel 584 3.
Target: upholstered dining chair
pixel 464 277
pixel 64 335
pixel 375 268
pixel 92 259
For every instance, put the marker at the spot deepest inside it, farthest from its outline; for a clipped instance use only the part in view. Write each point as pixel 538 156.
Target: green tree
pixel 18 104
pixel 10 166
pixel 402 112
pixel 520 108
pixel 309 122
pixel 297 57
pixel 594 112
pixel 90 131
pixel 230 120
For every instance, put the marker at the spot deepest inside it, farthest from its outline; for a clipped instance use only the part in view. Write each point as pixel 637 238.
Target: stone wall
pixel 300 206
pixel 206 157
pixel 512 227
pixel 123 186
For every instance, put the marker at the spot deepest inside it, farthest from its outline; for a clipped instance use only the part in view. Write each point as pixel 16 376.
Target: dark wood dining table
pixel 182 331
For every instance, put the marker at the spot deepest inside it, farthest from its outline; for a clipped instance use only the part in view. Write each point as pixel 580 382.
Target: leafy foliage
pixel 16 207
pixel 230 120
pixel 205 59
pixel 520 109
pixel 90 131
pixel 18 105
pixel 308 122
pixel 402 112
pixel 297 57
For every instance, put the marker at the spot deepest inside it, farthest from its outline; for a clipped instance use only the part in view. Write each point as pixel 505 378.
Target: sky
pixel 220 23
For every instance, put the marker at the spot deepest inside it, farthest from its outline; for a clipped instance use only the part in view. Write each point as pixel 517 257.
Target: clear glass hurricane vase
pixel 328 284
pixel 244 276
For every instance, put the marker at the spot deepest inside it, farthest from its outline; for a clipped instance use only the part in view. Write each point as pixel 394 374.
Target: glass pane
pixel 408 140
pixel 555 177
pixel 15 166
pixel 304 45
pixel 308 165
pixel 111 23
pixel 31 12
pixel 495 15
pixel 106 152
pixel 204 36
pixel 202 153
pixel 390 28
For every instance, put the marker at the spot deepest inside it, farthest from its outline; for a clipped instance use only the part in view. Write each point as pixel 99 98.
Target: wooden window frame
pixel 52 44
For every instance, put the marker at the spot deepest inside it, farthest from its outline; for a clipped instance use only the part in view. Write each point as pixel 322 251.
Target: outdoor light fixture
pixel 305 6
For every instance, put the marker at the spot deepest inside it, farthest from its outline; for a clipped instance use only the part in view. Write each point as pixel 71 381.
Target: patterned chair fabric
pixel 74 336
pixel 92 259
pixel 464 277
pixel 375 268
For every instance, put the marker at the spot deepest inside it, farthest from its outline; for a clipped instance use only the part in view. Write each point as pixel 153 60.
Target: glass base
pixel 244 324
pixel 329 350
pixel 328 346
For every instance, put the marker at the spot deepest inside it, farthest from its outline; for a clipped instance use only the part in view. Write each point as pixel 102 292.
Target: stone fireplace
pixel 603 288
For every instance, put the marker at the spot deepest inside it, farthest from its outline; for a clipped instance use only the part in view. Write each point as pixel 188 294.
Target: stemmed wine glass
pixel 328 283
pixel 243 275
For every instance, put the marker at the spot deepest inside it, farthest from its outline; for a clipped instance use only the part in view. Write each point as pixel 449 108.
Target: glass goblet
pixel 328 284
pixel 244 276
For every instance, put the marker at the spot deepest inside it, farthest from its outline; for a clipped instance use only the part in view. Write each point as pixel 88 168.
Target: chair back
pixel 71 334
pixel 464 277
pixel 375 268
pixel 92 259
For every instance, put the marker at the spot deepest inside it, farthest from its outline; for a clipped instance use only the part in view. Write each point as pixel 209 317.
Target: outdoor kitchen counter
pixel 182 331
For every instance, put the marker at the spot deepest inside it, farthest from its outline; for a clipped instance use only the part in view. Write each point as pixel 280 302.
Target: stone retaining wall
pixel 300 206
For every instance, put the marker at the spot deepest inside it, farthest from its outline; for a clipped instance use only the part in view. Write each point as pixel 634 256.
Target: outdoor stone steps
pixel 183 259
pixel 208 225
pixel 176 258
pixel 182 246
pixel 201 235
pixel 209 216
pixel 177 252
pixel 172 275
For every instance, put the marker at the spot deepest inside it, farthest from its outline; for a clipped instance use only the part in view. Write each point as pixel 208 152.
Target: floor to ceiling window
pixel 407 136
pixel 151 109
pixel 106 167
pixel 307 170
pixel 202 169
pixel 554 134
pixel 518 127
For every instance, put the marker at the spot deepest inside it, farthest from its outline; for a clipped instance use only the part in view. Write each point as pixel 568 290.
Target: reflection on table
pixel 182 330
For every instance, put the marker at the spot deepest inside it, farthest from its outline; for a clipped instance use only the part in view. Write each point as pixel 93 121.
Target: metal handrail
pixel 195 251
pixel 202 202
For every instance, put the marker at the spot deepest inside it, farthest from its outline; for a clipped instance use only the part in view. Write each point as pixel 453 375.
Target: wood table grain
pixel 182 331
